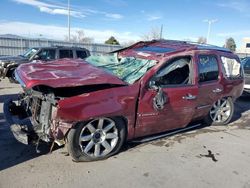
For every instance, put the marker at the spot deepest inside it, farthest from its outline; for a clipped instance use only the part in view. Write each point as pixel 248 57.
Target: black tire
pixel 209 121
pixel 11 76
pixel 77 152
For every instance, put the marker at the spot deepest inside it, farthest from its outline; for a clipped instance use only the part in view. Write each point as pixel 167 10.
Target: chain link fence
pixel 17 46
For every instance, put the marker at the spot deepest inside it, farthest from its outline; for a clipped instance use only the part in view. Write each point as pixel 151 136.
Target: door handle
pixel 189 97
pixel 217 90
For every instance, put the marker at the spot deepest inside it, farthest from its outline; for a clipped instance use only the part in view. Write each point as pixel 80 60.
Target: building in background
pixel 244 50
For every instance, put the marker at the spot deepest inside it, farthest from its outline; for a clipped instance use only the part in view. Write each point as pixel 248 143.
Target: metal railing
pixel 17 46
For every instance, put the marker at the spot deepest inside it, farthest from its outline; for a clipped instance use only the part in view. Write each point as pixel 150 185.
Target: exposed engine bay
pixel 33 115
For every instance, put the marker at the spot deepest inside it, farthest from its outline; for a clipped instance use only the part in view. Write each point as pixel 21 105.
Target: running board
pixel 151 138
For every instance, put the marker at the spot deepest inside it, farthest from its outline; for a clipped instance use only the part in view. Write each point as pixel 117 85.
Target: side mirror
pixel 153 85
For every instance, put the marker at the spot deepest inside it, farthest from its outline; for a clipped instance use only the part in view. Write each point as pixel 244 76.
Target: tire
pixel 97 139
pixel 11 76
pixel 221 113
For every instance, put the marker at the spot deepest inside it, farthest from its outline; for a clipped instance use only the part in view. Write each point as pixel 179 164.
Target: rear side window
pixel 232 68
pixel 208 68
pixel 81 54
pixel 65 54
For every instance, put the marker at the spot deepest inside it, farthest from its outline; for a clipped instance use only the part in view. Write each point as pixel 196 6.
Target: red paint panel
pixel 64 73
pixel 119 101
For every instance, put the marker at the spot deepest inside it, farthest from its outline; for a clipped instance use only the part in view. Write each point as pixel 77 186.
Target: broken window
pixel 128 69
pixel 208 68
pixel 232 67
pixel 177 72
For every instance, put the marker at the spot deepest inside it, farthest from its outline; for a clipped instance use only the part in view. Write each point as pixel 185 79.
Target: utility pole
pixel 161 31
pixel 209 27
pixel 69 20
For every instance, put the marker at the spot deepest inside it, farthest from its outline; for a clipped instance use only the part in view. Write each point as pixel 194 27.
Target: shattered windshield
pixel 30 52
pixel 128 69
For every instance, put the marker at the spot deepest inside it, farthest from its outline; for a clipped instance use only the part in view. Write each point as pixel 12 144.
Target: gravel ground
pixel 204 157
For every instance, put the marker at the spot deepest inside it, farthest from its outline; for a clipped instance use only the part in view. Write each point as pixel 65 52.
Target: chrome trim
pixel 203 106
pixel 151 138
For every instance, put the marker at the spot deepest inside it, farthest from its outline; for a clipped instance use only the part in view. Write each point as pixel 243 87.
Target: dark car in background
pixel 8 64
pixel 246 66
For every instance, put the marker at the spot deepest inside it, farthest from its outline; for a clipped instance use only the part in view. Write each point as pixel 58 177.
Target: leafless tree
pixel 202 40
pixel 79 37
pixel 154 33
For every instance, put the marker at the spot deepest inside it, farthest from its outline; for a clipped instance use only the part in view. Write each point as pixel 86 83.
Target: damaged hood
pixel 64 73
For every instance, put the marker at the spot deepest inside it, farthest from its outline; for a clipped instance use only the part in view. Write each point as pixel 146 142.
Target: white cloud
pixel 238 5
pixel 61 12
pixel 62 9
pixel 114 16
pixel 152 18
pixel 59 32
pixel 36 3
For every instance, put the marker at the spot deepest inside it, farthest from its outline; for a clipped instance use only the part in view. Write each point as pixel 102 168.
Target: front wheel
pixel 97 139
pixel 12 77
pixel 221 112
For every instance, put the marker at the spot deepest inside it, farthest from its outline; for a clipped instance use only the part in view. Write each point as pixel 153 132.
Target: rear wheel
pixel 221 112
pixel 97 139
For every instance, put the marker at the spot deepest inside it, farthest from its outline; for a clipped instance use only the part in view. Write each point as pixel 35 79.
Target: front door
pixel 171 103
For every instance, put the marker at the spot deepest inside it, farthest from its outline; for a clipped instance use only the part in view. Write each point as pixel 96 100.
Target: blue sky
pixel 128 20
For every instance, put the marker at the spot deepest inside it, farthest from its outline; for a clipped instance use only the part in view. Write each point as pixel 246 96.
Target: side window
pixel 81 54
pixel 208 68
pixel 177 72
pixel 65 54
pixel 47 54
pixel 231 67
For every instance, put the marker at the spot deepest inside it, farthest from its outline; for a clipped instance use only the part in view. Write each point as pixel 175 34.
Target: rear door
pixel 173 104
pixel 209 82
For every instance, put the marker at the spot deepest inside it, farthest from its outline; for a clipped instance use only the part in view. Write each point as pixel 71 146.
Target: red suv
pixel 94 106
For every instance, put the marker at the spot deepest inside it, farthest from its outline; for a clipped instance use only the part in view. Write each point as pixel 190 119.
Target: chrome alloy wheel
pixel 220 111
pixel 98 137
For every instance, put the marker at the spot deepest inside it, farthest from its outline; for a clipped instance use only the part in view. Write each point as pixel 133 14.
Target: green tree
pixel 230 44
pixel 112 41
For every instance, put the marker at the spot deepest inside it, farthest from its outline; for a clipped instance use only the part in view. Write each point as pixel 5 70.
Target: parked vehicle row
pixel 246 66
pixel 95 105
pixel 8 64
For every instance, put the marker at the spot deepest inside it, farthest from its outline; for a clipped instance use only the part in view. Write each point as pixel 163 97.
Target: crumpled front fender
pixel 118 101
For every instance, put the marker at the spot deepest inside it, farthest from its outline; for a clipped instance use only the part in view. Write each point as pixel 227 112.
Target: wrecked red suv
pixel 94 106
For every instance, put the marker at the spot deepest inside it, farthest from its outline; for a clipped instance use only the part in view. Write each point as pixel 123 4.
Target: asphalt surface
pixel 204 157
